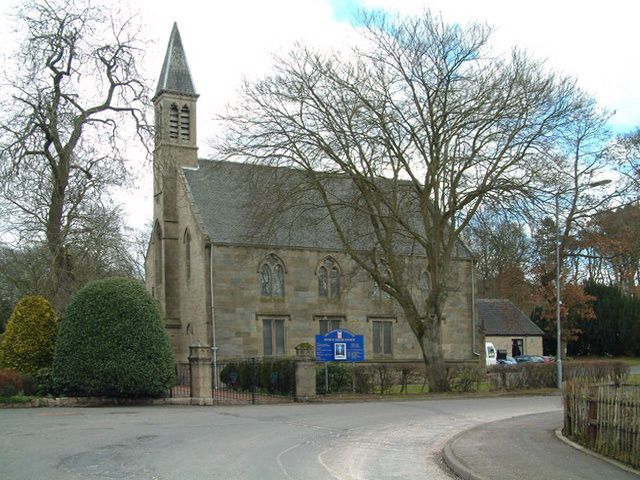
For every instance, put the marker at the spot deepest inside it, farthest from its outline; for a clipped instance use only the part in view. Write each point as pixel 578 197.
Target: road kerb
pixel 455 464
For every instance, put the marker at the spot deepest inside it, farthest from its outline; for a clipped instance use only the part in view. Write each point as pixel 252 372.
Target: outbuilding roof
pixel 501 317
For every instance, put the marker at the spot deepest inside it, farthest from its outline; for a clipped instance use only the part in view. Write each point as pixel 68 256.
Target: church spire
pixel 175 76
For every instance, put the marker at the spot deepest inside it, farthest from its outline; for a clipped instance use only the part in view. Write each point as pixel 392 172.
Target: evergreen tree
pixel 112 343
pixel 30 338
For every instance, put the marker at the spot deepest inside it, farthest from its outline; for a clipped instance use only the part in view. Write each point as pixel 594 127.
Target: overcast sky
pixel 594 41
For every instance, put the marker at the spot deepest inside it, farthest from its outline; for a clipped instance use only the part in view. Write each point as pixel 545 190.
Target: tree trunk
pixel 56 237
pixel 435 368
pixel 63 278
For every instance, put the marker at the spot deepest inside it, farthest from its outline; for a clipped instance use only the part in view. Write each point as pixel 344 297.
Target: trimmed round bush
pixel 30 338
pixel 111 342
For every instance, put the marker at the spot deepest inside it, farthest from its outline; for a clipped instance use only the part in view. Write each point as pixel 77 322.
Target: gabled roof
pixel 234 208
pixel 238 207
pixel 175 76
pixel 501 317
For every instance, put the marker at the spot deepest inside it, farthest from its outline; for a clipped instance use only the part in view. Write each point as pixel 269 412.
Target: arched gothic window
pixel 329 278
pixel 425 284
pixel 187 253
pixel 271 274
pixel 157 253
pixel 376 291
pixel 184 123
pixel 173 122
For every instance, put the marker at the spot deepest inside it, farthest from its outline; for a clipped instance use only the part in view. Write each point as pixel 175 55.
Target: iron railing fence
pixel 256 380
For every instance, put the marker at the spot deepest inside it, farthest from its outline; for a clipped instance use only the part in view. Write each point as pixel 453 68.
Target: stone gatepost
pixel 200 366
pixel 305 373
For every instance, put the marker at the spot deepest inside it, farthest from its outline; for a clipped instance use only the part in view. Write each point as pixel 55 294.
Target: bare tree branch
pixel 77 90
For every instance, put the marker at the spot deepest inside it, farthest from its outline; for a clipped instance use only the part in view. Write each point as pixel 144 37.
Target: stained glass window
pixel 271 277
pixel 265 280
pixel 323 284
pixel 278 280
pixel 376 291
pixel 329 279
pixel 425 284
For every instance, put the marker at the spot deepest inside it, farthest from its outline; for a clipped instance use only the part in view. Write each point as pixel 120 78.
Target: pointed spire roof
pixel 175 76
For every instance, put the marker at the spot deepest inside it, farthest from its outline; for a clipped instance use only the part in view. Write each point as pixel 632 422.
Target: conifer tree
pixel 30 337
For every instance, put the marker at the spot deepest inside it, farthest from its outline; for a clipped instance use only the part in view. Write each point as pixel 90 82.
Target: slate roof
pixel 175 75
pixel 501 317
pixel 230 206
pixel 235 211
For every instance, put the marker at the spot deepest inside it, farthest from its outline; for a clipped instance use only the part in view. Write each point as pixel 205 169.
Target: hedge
pixel 111 342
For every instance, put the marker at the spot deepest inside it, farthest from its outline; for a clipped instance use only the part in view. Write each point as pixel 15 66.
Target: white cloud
pixel 595 42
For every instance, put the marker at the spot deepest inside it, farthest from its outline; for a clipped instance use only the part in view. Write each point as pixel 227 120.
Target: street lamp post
pixel 558 299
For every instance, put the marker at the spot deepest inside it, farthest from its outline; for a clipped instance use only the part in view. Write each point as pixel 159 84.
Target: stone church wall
pixel 240 308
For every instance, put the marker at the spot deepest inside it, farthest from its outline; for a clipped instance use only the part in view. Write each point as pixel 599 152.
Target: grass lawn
pixel 631 361
pixel 416 388
pixel 15 399
pixel 634 379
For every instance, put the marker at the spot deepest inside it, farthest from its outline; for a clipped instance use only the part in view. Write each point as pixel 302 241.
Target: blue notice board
pixel 339 345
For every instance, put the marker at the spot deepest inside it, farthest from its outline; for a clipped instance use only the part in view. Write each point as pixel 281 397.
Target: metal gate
pixel 254 381
pixel 244 381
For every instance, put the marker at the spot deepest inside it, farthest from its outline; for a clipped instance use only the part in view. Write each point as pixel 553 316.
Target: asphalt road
pixel 386 440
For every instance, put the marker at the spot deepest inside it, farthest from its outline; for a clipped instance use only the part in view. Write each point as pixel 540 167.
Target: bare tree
pixel 74 92
pixel 503 256
pixel 571 192
pixel 625 152
pixel 613 239
pixel 580 165
pixel 112 250
pixel 424 126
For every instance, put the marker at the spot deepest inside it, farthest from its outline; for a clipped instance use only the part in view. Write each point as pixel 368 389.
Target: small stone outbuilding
pixel 510 330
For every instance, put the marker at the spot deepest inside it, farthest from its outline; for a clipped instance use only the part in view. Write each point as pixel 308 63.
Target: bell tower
pixel 175 107
pixel 175 147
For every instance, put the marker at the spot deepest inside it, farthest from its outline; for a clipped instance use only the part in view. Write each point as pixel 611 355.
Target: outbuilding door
pixel 517 347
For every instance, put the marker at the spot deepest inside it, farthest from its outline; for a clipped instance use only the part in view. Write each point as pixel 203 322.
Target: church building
pixel 219 284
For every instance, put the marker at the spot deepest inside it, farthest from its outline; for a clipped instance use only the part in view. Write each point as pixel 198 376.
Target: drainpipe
pixel 473 309
pixel 214 346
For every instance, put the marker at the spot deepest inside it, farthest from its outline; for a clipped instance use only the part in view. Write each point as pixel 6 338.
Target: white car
pixel 490 354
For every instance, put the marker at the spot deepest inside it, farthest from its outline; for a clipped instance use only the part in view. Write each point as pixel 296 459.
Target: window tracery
pixel 376 291
pixel 271 273
pixel 425 284
pixel 329 279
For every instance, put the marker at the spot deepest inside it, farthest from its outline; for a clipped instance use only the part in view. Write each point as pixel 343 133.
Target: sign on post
pixel 339 345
